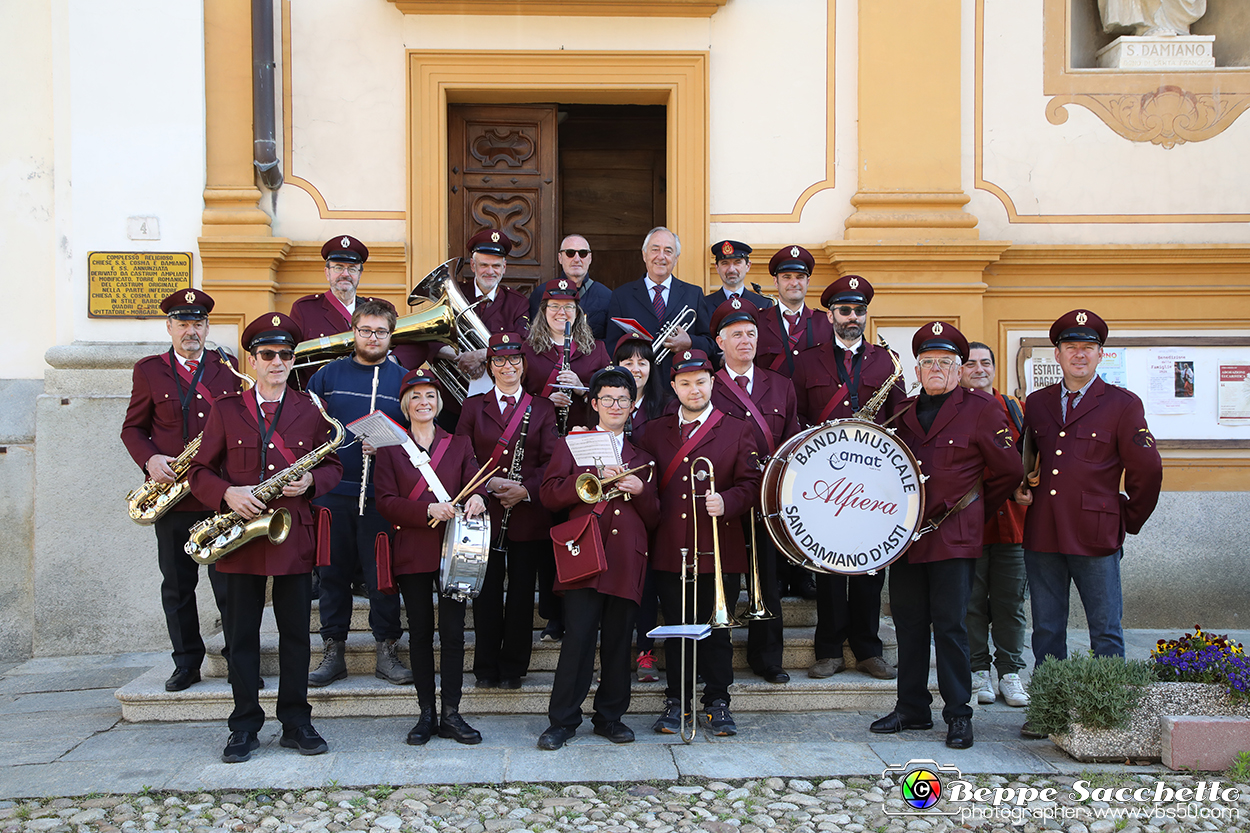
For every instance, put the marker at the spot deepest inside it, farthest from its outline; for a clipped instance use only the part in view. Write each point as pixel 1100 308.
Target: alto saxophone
pixel 216 537
pixel 869 410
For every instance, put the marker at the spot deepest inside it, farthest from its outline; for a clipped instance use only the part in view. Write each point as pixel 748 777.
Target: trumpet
pixel 683 321
pixel 590 488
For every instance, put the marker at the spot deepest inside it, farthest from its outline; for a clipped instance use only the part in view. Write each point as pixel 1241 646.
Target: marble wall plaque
pixel 1163 52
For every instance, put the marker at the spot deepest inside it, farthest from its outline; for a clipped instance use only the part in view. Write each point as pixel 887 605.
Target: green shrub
pixel 1097 692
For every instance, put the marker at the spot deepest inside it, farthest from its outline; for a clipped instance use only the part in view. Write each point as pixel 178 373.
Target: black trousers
pixel 589 614
pixel 647 612
pixel 848 608
pixel 505 631
pixel 245 603
pixel 715 654
pixel 765 637
pixel 418 590
pixel 179 577
pixel 351 550
pixel 934 594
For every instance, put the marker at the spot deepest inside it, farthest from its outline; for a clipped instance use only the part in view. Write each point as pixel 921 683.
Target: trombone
pixel 756 610
pixel 590 488
pixel 684 320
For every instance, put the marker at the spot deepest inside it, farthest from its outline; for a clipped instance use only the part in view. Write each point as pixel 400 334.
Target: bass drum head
pixel 844 497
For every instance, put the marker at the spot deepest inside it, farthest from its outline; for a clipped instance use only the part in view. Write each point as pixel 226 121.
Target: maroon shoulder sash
pixel 435 458
pixel 753 410
pixel 339 307
pixel 249 407
pixel 832 403
pixel 708 425
pixel 513 424
pixel 186 376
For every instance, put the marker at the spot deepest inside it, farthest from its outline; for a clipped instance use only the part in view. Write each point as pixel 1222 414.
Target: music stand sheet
pixel 695 632
pixel 379 429
pixel 593 448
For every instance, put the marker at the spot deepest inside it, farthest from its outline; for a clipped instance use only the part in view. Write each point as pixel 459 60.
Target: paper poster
pixel 1234 394
pixel 1171 382
pixel 1111 368
pixel 1041 371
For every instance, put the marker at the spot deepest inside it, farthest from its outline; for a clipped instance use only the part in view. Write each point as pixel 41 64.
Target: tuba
pixel 433 323
pixel 468 333
pixel 216 537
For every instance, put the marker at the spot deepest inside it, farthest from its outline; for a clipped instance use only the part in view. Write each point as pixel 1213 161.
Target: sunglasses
pixel 858 311
pixel 270 355
pixel 571 253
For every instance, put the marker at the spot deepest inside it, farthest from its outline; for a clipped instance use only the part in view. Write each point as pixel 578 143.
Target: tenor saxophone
pixel 216 537
pixel 869 410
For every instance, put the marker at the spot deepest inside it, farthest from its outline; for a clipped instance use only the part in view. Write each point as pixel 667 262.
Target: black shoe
pixel 959 733
pixel 719 720
pixel 554 631
pixel 805 587
pixel 453 726
pixel 182 678
pixel 487 682
pixel 669 721
pixel 426 726
pixel 782 590
pixel 894 722
pixel 305 739
pixel 775 674
pixel 555 737
pixel 615 731
pixel 240 747
pixel 510 682
pixel 1027 731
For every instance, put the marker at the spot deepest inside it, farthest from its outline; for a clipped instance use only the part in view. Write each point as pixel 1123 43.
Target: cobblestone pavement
pixel 773 804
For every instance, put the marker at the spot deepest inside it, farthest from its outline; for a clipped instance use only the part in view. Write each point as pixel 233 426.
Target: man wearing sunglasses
pixel 351 387
pixel 833 381
pixel 574 256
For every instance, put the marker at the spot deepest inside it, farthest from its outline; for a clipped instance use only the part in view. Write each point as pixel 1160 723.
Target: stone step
pixel 144 699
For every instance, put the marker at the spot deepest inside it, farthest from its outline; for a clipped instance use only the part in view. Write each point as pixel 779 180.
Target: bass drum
pixel 844 497
pixel 466 547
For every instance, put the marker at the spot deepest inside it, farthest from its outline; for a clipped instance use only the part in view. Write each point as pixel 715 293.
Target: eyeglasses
pixel 857 311
pixel 344 268
pixel 567 309
pixel 365 332
pixel 572 253
pixel 500 361
pixel 270 355
pixel 945 364
pixel 618 401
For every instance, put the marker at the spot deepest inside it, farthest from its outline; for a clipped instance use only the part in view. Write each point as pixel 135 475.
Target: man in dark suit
pixel 833 381
pixel 765 401
pixel 676 441
pixel 1088 435
pixel 574 256
pixel 790 326
pixel 170 400
pixel 655 299
pixel 962 441
pixel 251 437
pixel 733 261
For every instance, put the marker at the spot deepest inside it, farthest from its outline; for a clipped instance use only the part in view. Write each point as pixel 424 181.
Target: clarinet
pixel 514 472
pixel 562 413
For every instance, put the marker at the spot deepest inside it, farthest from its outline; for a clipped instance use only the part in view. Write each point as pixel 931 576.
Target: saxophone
pixel 869 410
pixel 150 500
pixel 216 537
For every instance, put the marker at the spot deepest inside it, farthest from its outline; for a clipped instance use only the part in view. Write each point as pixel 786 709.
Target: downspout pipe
pixel 264 144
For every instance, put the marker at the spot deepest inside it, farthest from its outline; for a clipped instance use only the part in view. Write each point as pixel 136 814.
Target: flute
pixel 364 472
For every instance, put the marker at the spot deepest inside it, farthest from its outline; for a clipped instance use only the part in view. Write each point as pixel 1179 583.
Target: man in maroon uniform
pixel 789 327
pixel 249 438
pixel 602 607
pixel 961 439
pixel 676 440
pixel 1088 434
pixel 170 400
pixel 765 401
pixel 833 381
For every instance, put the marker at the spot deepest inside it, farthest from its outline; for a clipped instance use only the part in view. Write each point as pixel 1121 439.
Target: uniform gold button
pixel 846 402
pixel 271 466
pixel 166 396
pixel 685 460
pixel 950 442
pixel 1052 491
pixel 1054 471
pixel 796 352
pixel 1093 433
pixel 1058 452
pixel 617 512
pixel 271 445
pixel 684 479
pixel 301 442
pixel 683 497
pixel 683 516
pixel 1063 433
pixel 201 416
pixel 615 531
pixel 240 442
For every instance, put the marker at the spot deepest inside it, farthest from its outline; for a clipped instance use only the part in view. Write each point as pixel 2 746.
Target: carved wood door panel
pixel 503 171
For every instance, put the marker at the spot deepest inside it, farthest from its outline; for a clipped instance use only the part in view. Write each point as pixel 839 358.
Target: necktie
pixel 269 409
pixel 509 405
pixel 192 365
pixel 848 357
pixel 658 302
pixel 1072 395
pixel 741 381
pixel 793 329
pixel 688 430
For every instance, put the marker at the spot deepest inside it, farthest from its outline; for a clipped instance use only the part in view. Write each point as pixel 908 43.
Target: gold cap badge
pixel 853 283
pixel 345 243
pixel 505 338
pixel 1081 318
pixel 794 251
pixel 563 284
pixel 736 303
pixel 190 296
pixel 494 237
pixel 727 248
pixel 937 328
pixel 686 355
pixel 277 322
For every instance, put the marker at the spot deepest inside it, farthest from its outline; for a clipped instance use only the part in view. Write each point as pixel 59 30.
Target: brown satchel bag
pixel 578 547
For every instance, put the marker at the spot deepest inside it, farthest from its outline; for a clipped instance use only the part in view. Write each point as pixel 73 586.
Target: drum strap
pixel 832 403
pixel 973 495
pixel 752 409
pixel 441 449
pixel 688 445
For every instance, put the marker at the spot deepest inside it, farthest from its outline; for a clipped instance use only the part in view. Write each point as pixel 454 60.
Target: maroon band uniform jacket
pixel 774 340
pixel 775 398
pixel 969 436
pixel 417 548
pixel 508 313
pixel 483 423
pixel 153 423
pixel 624 525
pixel 816 381
pixel 229 455
pixel 1077 506
pixel 730 446
pixel 539 366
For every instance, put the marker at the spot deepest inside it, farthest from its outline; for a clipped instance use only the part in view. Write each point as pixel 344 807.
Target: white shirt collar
pixel 183 361
pixel 699 420
pixel 666 285
pixel 490 298
pixel 750 375
pixel 852 347
pixel 499 395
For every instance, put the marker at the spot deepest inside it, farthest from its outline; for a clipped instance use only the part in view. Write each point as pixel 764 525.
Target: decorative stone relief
pixel 1169 116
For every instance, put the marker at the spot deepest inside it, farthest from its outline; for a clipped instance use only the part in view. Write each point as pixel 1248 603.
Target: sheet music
pixel 593 448
pixel 695 632
pixel 379 429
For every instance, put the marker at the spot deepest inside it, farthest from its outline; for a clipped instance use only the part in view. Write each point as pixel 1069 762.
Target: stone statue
pixel 1150 17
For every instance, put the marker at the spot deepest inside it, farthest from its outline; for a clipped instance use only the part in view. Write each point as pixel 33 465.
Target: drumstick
pixel 474 482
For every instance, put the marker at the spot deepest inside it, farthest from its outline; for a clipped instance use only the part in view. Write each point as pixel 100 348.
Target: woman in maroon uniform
pixel 633 352
pixel 406 500
pixel 544 351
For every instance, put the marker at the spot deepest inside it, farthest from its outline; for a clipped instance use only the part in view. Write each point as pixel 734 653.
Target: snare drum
pixel 466 548
pixel 845 497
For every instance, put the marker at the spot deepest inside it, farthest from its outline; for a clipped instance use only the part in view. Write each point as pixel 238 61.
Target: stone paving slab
pixel 79 723
pixel 990 757
pixel 730 758
pixel 97 678
pixel 58 701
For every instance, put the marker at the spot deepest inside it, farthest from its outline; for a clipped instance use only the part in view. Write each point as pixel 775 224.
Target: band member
pixel 697 430
pixel 249 438
pixel 497 423
pixel 545 352
pixel 406 500
pixel 765 401
pixel 962 441
pixel 832 381
pixel 633 352
pixel 574 256
pixel 790 326
pixel 733 261
pixel 351 387
pixel 170 399
pixel 602 607
pixel 1089 434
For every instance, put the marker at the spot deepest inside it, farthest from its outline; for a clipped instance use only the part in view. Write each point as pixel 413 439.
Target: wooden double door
pixel 539 172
